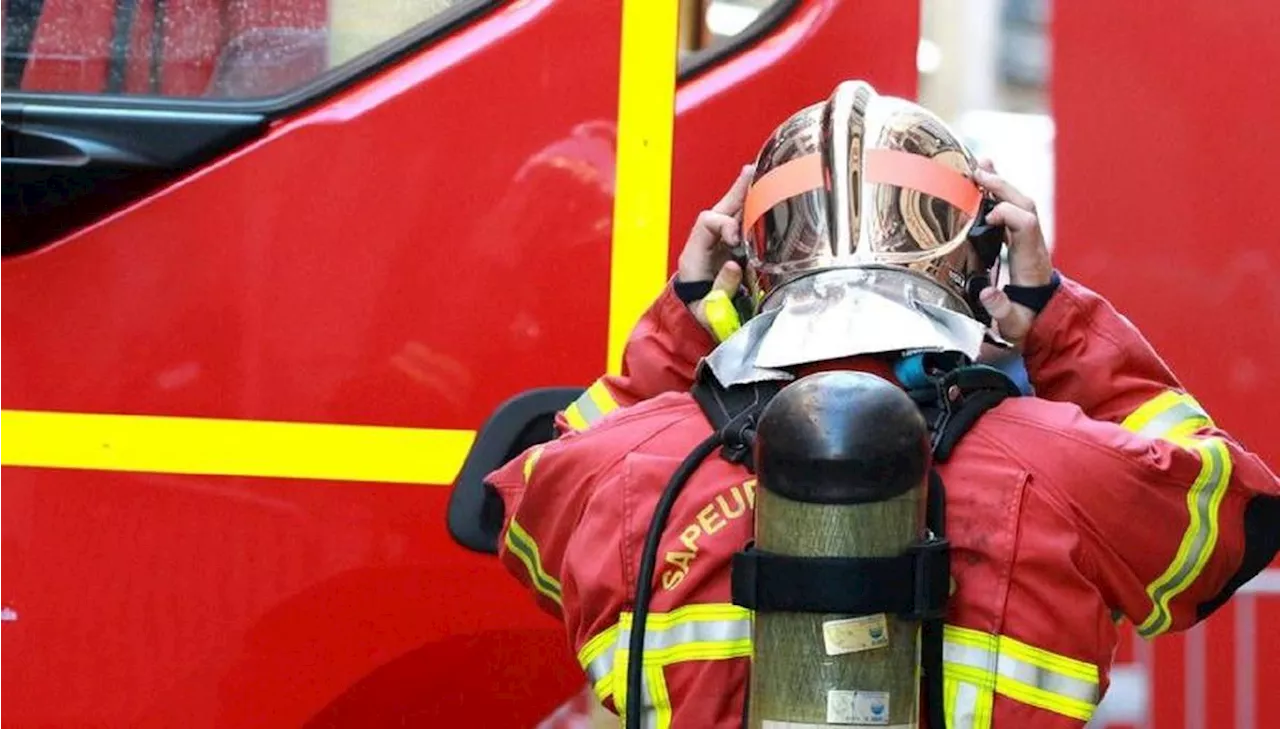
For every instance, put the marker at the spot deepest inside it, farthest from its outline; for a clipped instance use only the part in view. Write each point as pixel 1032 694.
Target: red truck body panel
pixel 410 252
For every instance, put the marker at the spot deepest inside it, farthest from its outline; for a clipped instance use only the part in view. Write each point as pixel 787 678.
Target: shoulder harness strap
pixel 733 411
pixel 952 395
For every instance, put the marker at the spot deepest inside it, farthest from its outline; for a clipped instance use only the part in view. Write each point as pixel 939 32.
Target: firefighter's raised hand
pixel 1029 261
pixel 706 254
pixel 714 233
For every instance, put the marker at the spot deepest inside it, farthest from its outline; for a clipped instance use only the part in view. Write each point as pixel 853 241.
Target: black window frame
pixel 700 62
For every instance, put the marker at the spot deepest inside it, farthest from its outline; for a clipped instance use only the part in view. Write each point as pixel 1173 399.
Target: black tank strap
pixel 952 398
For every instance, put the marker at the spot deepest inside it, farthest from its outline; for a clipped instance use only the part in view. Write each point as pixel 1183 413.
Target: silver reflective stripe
pixel 685 632
pixel 967 655
pixel 966 706
pixel 1164 423
pixel 692 631
pixel 1022 671
pixel 587 406
pixel 650 720
pixel 1048 680
pixel 602 666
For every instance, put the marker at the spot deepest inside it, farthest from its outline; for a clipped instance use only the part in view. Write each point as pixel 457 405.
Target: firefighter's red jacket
pixel 1110 495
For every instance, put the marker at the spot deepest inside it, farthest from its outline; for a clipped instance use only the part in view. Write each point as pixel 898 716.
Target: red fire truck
pixel 269 265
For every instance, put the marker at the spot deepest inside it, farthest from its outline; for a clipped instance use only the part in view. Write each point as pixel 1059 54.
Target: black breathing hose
pixel 644 579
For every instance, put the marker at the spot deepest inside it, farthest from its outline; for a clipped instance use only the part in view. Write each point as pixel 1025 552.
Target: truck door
pixel 267 266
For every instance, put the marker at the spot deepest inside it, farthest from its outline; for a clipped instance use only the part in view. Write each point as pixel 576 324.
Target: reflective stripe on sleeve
pixel 979 662
pixel 690 633
pixel 1204 499
pixel 590 406
pixel 525 549
pixel 1171 416
pixel 530 462
pixel 596 658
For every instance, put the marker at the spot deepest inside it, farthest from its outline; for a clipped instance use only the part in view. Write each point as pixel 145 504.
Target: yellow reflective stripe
pixel 970 637
pixel 641 205
pixel 525 549
pixel 1204 499
pixel 598 645
pixel 531 461
pixel 966 705
pixel 1044 699
pixel 574 416
pixel 701 632
pixel 950 693
pixel 701 612
pixel 1054 662
pixel 596 658
pixel 1171 416
pixel 659 698
pixel 227 447
pixel 591 406
pixel 1016 670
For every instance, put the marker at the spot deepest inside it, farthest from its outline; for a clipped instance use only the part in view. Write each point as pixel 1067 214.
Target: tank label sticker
pixel 853 635
pixel 858 707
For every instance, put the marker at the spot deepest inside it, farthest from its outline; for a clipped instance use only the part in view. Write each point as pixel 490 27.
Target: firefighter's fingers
pixel 724 228
pixel 732 201
pixel 1013 217
pixel 986 164
pixel 729 279
pixel 1002 189
pixel 1030 263
pixel 1012 320
pixel 713 233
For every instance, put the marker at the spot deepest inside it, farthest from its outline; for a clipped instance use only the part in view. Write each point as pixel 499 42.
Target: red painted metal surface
pixel 410 253
pixel 1165 199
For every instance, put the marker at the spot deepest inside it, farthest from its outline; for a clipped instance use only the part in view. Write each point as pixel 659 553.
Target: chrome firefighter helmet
pixel 863 233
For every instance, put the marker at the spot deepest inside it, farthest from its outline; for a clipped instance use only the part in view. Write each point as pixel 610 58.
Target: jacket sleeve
pixel 660 356
pixel 1082 351
pixel 544 493
pixel 1174 525
pixel 562 532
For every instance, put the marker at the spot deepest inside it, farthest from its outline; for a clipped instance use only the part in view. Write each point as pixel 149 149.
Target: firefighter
pixel 1110 495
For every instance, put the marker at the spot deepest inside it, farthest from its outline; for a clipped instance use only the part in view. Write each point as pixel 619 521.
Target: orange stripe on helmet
pixel 915 172
pixel 883 166
pixel 785 181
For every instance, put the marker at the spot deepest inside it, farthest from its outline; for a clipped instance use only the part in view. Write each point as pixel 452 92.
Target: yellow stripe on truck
pixel 220 447
pixel 641 205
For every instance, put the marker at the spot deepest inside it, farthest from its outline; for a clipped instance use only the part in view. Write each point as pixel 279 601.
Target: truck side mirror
pixel 525 420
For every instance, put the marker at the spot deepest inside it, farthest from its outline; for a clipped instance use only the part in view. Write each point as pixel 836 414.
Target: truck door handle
pixel 33 146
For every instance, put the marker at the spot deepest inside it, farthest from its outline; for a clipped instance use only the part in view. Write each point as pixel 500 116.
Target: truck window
pixel 712 30
pixel 214 49
pixel 249 49
pixel 106 101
